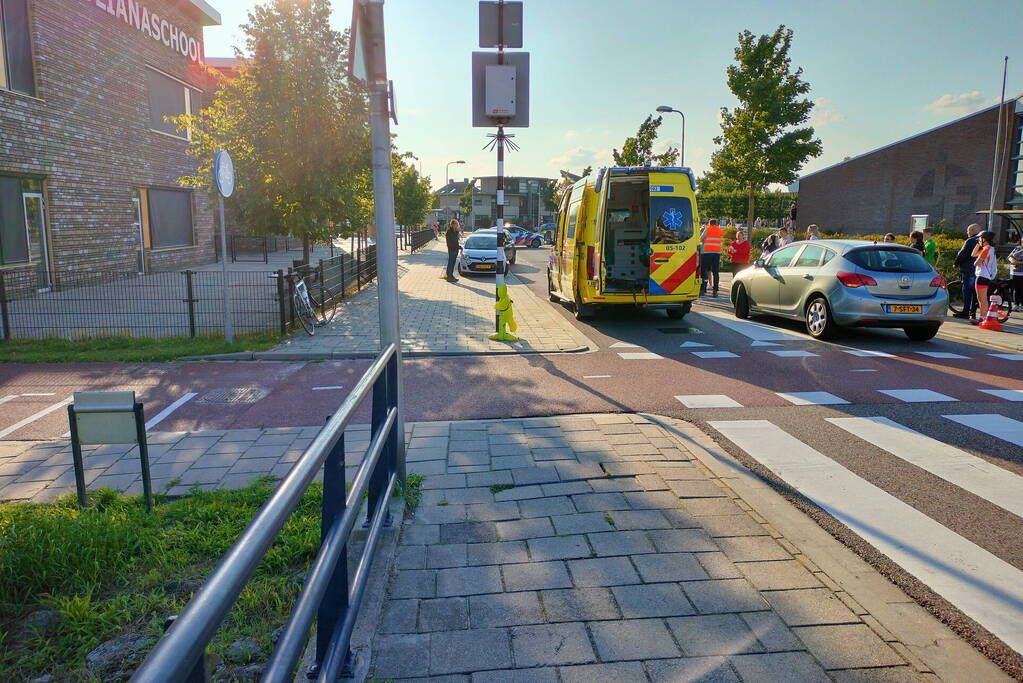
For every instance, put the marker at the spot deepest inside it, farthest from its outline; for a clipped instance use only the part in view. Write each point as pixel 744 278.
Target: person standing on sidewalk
pixel 453 245
pixel 930 248
pixel 916 240
pixel 710 261
pixel 964 262
pixel 986 267
pixel 738 252
pixel 784 237
pixel 1016 273
pixel 812 232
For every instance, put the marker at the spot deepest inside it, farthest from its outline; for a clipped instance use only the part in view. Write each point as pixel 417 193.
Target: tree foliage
pixel 763 140
pixel 639 148
pixel 771 206
pixel 412 195
pixel 294 125
pixel 465 202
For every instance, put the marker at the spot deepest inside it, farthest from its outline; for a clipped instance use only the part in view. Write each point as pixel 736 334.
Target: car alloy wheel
pixel 817 317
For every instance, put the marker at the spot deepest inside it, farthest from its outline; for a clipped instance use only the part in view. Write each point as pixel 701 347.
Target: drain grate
pixel 236 395
pixel 679 330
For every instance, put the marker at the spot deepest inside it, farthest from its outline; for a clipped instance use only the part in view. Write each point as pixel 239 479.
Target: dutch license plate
pixel 900 308
pixel 487 266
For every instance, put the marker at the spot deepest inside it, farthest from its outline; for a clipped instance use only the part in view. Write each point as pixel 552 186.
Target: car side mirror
pixel 759 263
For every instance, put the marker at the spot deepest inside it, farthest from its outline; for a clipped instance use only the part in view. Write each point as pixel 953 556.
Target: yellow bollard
pixel 505 317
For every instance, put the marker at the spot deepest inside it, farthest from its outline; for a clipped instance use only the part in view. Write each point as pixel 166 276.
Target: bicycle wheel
pixel 304 313
pixel 324 304
pixel 955 296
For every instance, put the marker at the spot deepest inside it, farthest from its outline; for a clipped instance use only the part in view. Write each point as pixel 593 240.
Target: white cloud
pixel 961 104
pixel 824 113
pixel 578 158
pixel 571 134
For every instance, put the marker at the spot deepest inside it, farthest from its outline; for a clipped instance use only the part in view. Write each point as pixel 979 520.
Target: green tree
pixel 639 148
pixel 294 125
pixel 412 194
pixel 763 140
pixel 465 202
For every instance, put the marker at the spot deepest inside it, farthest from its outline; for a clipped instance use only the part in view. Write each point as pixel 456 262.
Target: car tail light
pixel 591 263
pixel 939 281
pixel 856 280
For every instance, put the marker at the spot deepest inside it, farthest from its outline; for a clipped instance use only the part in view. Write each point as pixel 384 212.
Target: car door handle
pixel 808 277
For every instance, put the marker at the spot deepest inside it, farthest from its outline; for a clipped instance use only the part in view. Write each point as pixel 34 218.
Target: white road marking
pixel 984 587
pixel 5 399
pixel 159 417
pixel 41 394
pixel 917 395
pixel 624 345
pixel 868 354
pixel 33 417
pixel 998 426
pixel 763 343
pixel 976 475
pixel 812 398
pixel 714 354
pixel 1008 356
pixel 707 401
pixel 329 388
pixel 1007 394
pixel 863 370
pixel 596 376
pixel 941 354
pixel 752 330
pixel 693 345
pixel 639 355
pixel 793 354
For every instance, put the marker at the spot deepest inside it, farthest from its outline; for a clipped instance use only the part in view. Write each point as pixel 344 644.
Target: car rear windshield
pixel 888 260
pixel 481 242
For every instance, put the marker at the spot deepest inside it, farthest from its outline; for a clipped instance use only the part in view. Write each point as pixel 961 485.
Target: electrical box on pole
pixel 500 90
pixel 487 80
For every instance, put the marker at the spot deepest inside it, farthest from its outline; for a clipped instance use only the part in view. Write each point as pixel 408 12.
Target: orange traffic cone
pixel 991 321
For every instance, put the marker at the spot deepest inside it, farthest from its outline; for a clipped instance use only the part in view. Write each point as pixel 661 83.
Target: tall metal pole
pixel 996 169
pixel 501 265
pixel 225 291
pixel 383 203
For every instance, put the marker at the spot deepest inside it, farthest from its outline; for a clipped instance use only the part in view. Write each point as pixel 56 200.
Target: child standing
pixel 930 248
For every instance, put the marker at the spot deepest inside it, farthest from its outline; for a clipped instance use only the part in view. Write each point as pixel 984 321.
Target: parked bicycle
pixel 313 303
pixel 999 286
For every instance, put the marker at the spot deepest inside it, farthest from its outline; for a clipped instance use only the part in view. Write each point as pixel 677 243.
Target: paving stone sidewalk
pixel 438 317
pixel 597 548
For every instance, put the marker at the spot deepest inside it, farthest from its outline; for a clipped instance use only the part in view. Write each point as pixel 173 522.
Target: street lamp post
pixel 447 169
pixel 663 109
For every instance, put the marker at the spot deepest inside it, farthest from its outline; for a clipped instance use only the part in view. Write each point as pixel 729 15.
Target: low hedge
pixel 947 247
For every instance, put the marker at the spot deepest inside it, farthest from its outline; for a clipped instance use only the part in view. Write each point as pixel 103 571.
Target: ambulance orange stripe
pixel 683 273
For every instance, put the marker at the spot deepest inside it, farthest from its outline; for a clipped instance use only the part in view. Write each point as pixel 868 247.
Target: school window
pixel 166 217
pixel 20 241
pixel 16 72
pixel 170 97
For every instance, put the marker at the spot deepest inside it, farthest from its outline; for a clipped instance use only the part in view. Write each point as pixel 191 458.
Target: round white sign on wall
pixel 223 173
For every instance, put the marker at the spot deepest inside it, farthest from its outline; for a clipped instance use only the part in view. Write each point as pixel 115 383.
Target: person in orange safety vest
pixel 710 261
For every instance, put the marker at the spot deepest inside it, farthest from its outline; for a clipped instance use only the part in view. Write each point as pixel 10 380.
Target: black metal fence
pixel 329 597
pixel 419 239
pixel 172 304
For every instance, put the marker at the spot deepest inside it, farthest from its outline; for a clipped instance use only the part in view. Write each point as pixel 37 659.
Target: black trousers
pixel 452 257
pixel 710 263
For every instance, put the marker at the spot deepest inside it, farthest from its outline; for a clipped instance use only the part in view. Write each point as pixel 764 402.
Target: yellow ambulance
pixel 628 236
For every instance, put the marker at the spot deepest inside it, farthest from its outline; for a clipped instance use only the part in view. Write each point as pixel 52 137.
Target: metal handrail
pixel 178 654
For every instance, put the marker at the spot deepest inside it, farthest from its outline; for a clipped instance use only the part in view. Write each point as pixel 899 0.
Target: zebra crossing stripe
pixel 714 354
pixel 976 475
pixel 1007 394
pixel 868 354
pixel 639 355
pixel 998 426
pixel 1008 356
pixel 708 401
pixel 984 587
pixel 812 398
pixel 917 395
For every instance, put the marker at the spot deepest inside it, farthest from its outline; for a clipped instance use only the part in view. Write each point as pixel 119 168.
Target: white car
pixel 479 252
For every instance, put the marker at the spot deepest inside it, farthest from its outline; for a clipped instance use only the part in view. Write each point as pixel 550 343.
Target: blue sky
pixel 880 70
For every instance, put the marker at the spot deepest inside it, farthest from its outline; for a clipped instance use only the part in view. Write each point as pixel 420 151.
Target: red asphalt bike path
pixel 477 387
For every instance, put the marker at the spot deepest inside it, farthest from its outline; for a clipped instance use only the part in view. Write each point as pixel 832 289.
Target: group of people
pixel 711 238
pixel 978 266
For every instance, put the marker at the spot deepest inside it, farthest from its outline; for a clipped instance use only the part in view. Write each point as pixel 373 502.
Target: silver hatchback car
pixel 845 283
